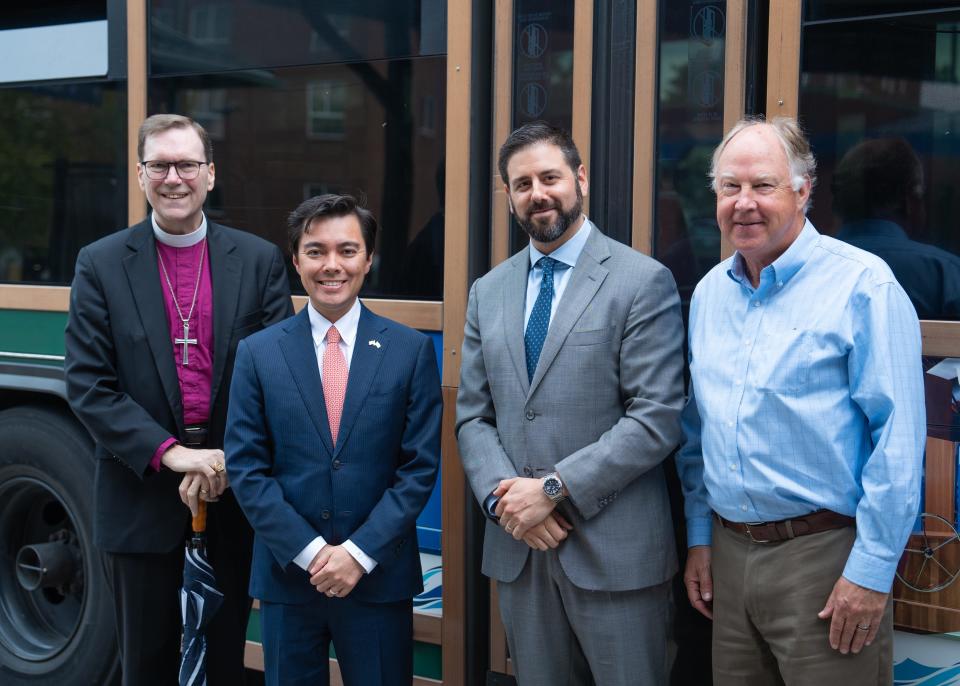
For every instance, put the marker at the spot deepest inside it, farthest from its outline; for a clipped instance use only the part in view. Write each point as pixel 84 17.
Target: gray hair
pixel 800 158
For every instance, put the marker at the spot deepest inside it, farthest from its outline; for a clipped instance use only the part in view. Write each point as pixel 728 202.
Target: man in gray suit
pixel 570 395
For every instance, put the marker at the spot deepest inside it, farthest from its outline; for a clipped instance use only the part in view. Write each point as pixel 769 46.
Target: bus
pixel 404 103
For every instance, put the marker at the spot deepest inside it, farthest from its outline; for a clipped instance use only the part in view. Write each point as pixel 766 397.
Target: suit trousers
pixel 146 592
pixel 765 626
pixel 559 634
pixel 373 642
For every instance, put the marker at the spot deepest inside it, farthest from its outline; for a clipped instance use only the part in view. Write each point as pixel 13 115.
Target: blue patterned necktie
pixel 539 320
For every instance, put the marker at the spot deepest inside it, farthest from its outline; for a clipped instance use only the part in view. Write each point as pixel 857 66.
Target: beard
pixel 551 232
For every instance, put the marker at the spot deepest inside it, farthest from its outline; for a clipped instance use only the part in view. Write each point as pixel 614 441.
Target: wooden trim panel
pixel 644 126
pixel 136 101
pixel 457 214
pixel 734 78
pixel 502 97
pixel 36 298
pixel 783 58
pixel 583 82
pixel 426 316
pixel 453 550
pixel 940 339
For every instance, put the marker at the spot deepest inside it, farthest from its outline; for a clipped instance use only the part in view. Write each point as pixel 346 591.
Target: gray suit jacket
pixel 602 410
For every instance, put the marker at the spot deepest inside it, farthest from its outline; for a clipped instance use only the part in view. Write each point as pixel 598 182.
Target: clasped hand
pixel 527 514
pixel 202 480
pixel 334 571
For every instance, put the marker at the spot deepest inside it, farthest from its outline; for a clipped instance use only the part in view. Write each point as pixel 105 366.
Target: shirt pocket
pixel 784 361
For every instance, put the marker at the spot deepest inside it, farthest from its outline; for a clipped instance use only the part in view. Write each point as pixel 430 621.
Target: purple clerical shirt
pixel 196 377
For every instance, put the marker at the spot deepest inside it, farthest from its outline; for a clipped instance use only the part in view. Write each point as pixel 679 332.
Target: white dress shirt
pixel 347 326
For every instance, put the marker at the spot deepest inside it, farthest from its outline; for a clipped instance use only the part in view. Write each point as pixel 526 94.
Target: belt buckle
pixel 746 525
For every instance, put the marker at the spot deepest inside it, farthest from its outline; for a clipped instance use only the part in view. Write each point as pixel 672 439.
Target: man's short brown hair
pixel 158 123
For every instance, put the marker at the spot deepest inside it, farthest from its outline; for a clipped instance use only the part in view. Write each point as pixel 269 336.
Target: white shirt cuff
pixel 367 562
pixel 306 555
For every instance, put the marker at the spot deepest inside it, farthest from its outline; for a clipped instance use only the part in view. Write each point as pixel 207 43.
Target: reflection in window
pixel 326 106
pixel 690 124
pixel 62 176
pixel 542 71
pixel 883 125
pixel 203 36
pixel 346 128
pixel 210 24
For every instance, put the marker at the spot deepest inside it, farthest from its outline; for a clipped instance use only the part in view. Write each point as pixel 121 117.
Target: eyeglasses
pixel 186 169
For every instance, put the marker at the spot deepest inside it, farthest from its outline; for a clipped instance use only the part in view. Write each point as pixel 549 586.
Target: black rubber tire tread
pixel 52 446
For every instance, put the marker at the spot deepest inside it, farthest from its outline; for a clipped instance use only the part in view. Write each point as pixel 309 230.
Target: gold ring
pixel 218 467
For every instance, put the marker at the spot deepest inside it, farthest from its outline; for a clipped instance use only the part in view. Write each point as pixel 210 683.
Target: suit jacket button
pixel 336 464
pixel 527 471
pixel 325 514
pixel 530 415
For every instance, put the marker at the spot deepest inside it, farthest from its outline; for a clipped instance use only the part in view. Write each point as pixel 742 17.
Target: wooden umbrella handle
pixel 200 521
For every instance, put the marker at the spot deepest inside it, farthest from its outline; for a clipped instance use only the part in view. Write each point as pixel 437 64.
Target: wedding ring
pixel 218 467
pixel 333 592
pixel 203 491
pixel 861 627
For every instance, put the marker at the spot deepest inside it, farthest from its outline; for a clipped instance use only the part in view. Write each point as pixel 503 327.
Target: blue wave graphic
pixel 912 673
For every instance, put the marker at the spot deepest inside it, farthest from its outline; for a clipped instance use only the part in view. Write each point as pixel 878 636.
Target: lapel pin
pixel 375 343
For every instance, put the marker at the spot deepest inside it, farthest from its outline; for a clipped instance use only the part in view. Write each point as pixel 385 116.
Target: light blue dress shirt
pixel 806 393
pixel 568 253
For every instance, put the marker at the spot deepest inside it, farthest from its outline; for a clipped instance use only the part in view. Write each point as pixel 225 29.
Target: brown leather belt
pixel 785 529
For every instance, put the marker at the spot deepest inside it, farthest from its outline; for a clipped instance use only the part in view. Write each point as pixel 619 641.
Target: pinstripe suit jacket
pixel 294 484
pixel 602 409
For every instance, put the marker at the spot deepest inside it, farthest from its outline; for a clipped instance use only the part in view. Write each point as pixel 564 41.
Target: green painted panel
pixel 26 331
pixel 427 657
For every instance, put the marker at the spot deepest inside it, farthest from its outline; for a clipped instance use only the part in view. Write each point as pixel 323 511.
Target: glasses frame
pixel 175 164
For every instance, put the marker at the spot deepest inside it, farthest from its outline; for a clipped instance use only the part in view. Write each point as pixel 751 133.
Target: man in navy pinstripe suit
pixel 332 448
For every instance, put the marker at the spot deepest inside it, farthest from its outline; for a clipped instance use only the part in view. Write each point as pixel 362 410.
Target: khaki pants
pixel 765 625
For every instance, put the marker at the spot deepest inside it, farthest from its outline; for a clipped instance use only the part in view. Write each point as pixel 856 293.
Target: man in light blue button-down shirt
pixel 804 431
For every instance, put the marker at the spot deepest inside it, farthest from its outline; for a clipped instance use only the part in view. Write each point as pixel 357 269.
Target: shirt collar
pixel 346 325
pixel 569 252
pixel 784 267
pixel 175 240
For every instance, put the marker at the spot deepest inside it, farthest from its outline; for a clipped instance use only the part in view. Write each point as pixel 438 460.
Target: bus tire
pixel 56 612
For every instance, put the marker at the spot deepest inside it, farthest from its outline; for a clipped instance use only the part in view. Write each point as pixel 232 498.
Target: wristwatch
pixel 553 487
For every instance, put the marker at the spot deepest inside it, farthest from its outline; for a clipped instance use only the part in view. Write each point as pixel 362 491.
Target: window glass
pixel 204 36
pixel 690 125
pixel 371 129
pixel 885 126
pixel 63 176
pixel 542 71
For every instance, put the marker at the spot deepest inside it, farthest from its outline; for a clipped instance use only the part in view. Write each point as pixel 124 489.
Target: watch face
pixel 552 486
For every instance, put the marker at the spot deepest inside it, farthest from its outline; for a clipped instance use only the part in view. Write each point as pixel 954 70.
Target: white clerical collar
pixel 175 240
pixel 346 325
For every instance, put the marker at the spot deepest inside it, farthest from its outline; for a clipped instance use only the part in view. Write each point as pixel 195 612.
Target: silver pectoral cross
pixel 185 341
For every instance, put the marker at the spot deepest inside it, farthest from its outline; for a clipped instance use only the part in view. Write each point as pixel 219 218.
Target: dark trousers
pixel 373 642
pixel 146 592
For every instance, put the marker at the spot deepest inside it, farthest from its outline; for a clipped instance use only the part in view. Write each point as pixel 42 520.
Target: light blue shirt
pixel 568 253
pixel 806 393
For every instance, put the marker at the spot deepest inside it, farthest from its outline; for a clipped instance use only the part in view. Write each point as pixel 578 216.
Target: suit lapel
pixel 584 283
pixel 143 276
pixel 363 369
pixel 300 354
pixel 514 302
pixel 226 271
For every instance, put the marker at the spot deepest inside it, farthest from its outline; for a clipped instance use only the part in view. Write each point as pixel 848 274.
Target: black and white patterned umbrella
pixel 199 601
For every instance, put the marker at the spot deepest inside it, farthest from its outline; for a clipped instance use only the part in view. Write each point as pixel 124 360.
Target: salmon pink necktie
pixel 334 380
